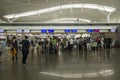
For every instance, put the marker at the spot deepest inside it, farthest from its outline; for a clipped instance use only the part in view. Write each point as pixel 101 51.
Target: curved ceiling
pixel 93 10
pixel 68 6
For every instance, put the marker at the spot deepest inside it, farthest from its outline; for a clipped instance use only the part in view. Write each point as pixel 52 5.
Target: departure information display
pixel 74 30
pixel 19 30
pixel 96 30
pixel 90 30
pixel 26 30
pixel 2 31
pixel 67 30
pixel 113 30
pixel 51 30
pixel 43 30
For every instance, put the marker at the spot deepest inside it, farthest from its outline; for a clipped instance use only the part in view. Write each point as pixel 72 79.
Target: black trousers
pixel 25 52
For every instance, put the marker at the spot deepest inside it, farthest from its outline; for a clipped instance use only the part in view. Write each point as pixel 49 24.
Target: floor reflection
pixel 80 75
pixel 75 65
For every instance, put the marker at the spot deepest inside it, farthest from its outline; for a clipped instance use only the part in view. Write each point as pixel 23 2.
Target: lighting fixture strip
pixel 69 19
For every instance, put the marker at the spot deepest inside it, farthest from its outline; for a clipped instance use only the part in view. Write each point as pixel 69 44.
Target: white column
pixel 108 17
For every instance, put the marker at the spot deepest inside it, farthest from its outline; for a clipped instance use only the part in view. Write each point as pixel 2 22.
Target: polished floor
pixel 67 65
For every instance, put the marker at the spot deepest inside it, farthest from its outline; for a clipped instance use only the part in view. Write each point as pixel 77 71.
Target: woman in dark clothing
pixel 14 48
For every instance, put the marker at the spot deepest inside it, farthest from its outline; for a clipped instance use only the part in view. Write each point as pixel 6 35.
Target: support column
pixel 108 17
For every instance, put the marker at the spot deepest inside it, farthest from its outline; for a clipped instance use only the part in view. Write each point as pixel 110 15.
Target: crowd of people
pixel 52 45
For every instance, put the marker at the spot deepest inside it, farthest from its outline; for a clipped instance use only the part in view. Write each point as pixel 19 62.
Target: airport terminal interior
pixel 59 39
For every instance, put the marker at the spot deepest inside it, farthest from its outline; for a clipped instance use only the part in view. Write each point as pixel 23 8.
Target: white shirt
pixel 102 40
pixel 42 40
pixel 77 40
pixel 48 39
pixel 71 41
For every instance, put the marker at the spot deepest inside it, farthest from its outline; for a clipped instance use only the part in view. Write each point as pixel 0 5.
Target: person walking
pixel 25 49
pixel 14 48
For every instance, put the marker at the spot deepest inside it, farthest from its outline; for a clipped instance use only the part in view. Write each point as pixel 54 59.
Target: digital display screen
pixel 90 30
pixel 96 30
pixel 43 30
pixel 67 30
pixel 2 31
pixel 19 30
pixel 51 30
pixel 113 30
pixel 26 30
pixel 74 30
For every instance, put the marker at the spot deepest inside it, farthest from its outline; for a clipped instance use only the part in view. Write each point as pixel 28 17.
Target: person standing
pixel 14 48
pixel 88 44
pixel 71 44
pixel 25 49
pixel 54 41
pixel 102 42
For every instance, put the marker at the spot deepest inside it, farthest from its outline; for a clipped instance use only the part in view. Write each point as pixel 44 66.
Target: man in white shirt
pixel 102 42
pixel 71 43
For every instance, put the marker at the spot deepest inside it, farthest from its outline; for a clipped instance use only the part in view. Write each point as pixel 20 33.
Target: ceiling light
pixel 68 6
pixel 68 20
pixel 84 20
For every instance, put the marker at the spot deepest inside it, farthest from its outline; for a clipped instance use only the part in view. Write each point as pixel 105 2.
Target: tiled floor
pixel 68 65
